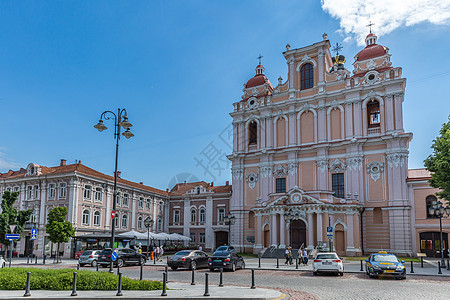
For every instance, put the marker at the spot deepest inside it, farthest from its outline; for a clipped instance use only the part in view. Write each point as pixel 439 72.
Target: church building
pixel 325 148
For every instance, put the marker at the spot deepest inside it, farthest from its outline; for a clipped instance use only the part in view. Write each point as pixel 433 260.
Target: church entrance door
pixel 221 238
pixel 297 234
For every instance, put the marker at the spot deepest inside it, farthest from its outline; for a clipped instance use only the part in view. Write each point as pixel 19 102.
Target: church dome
pixel 372 49
pixel 258 79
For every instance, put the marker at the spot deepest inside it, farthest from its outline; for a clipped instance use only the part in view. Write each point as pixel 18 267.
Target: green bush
pixel 61 279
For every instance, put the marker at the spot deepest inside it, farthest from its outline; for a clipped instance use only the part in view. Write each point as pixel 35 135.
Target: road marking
pixel 281 297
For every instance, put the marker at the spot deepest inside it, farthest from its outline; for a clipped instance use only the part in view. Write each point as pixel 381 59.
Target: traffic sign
pixel 12 236
pixel 329 232
pixel 33 234
pixel 113 214
pixel 12 227
pixel 114 255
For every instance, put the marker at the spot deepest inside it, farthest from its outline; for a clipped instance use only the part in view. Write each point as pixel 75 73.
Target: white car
pixel 328 262
pixel 2 262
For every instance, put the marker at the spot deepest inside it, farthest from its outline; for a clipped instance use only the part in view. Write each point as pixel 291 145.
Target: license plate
pixel 326 263
pixel 389 271
pixel 217 260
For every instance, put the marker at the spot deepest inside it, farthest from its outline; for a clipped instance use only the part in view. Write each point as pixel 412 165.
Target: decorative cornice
pixel 396 159
pixel 374 169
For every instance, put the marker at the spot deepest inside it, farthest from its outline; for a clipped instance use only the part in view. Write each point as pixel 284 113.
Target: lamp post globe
pixel 440 211
pixel 229 220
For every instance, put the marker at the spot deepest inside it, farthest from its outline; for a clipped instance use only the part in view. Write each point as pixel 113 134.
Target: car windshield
pixel 384 258
pixel 221 253
pixel 183 253
pixel 222 248
pixel 326 256
pixel 87 252
pixel 106 252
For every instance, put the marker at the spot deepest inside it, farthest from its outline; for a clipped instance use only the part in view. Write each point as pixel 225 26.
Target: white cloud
pixel 387 15
pixel 6 163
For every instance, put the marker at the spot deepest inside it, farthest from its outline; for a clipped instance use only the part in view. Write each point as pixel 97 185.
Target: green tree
pixel 438 163
pixel 10 216
pixel 58 229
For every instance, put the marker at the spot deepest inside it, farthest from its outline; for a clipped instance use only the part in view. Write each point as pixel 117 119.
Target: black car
pixel 226 260
pixel 190 259
pixel 125 256
pixel 225 248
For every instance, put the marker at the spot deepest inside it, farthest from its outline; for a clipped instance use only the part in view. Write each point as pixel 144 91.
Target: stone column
pixel 262 132
pixel 258 228
pixel 292 135
pixel 274 229
pixel 322 124
pixel 282 231
pixel 235 137
pixel 209 233
pixel 398 98
pixel 319 231
pixel 389 112
pixel 357 118
pixel 350 245
pixel 270 134
pixel 108 199
pixel 348 120
pixel 186 217
pixel 310 230
pixel 242 146
pixel 133 210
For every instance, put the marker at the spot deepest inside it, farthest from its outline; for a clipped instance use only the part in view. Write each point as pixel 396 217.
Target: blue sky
pixel 177 67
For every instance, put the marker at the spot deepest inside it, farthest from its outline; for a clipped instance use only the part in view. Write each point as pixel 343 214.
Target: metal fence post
pixel 278 263
pixel 141 270
pixel 27 290
pixel 253 279
pixel 221 277
pixel 96 267
pixel 28 259
pixel 259 260
pixel 412 267
pixel 448 264
pixel 164 290
pixel 74 285
pixel 35 261
pixel 78 266
pixel 193 277
pixel 43 259
pixel 296 263
pixel 421 262
pixel 166 269
pixel 361 266
pixel 206 294
pixel 119 288
pixel 439 268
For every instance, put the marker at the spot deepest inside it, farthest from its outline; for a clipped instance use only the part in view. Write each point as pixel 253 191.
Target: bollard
pixel 141 271
pixel 193 277
pixel 119 288
pixel 421 262
pixel 154 259
pixel 74 285
pixel 118 269
pixel 78 266
pixel 296 263
pixel 361 266
pixel 206 294
pixel 35 261
pixel 43 259
pixel 412 267
pixel 439 268
pixel 166 269
pixel 259 260
pixel 278 263
pixel 448 264
pixel 253 279
pixel 27 290
pixel 96 267
pixel 164 292
pixel 28 259
pixel 221 277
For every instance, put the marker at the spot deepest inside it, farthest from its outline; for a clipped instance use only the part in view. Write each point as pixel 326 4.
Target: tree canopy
pixel 58 229
pixel 438 163
pixel 11 216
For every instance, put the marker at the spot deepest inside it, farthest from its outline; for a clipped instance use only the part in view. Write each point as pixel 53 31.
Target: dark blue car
pixel 385 264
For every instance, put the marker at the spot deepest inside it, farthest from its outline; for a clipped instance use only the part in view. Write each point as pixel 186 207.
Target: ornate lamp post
pixel 148 223
pixel 439 211
pixel 229 220
pixel 120 121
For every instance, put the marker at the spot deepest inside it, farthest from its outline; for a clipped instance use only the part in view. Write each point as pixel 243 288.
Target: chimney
pixel 167 190
pixel 185 182
pixel 212 183
pixel 141 182
pixel 63 162
pixel 118 174
pixel 227 183
pixel 79 162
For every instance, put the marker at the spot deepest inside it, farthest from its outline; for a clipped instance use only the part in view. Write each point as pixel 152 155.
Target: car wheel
pixel 233 267
pixel 341 273
pixel 142 261
pixel 120 263
pixel 174 268
pixel 315 273
pixel 94 263
pixel 211 269
pixel 193 265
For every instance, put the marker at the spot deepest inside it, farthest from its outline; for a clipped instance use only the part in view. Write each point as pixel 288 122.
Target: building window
pixel 52 190
pixel 252 133
pixel 98 194
pixel 160 207
pixel 176 216
pixel 97 218
pixel 373 113
pixel 337 182
pixel 141 202
pixel 201 238
pixel 160 225
pixel 139 224
pixel 85 220
pixel 16 189
pixel 280 185
pixel 220 215
pixel 118 199
pixel 125 200
pixel 87 192
pixel 36 192
pixel 125 221
pixel 192 236
pixel 30 193
pixel 116 221
pixel 431 202
pixel 193 215
pixel 306 76
pixel 202 215
pixel 149 203
pixel 62 189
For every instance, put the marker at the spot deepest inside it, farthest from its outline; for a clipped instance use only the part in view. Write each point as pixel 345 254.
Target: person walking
pixel 300 255
pixel 290 255
pixel 286 255
pixel 305 257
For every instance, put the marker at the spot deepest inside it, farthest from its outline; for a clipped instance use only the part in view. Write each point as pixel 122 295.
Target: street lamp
pixel 148 223
pixel 120 121
pixel 439 211
pixel 229 220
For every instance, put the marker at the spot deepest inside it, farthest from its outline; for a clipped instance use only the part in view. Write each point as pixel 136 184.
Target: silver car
pixel 2 262
pixel 89 257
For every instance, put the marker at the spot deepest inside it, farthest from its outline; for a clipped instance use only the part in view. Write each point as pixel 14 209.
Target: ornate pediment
pixel 199 190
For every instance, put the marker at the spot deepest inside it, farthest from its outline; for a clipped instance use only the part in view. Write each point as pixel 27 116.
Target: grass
pixel 61 279
pixel 248 255
pixel 358 258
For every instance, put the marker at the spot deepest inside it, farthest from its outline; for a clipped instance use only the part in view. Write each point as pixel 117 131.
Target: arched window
pixel 252 133
pixel 431 201
pixel 97 218
pixel 373 114
pixel 125 221
pixel 118 199
pixel 85 220
pixel 202 215
pixel 139 224
pixel 159 225
pixel 251 220
pixel 306 77
pixel 193 215
pixel 116 221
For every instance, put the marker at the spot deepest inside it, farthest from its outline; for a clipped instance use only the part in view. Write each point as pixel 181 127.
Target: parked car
pixel 125 256
pixel 227 260
pixel 225 248
pixel 2 262
pixel 328 262
pixel 89 257
pixel 78 253
pixel 385 264
pixel 190 259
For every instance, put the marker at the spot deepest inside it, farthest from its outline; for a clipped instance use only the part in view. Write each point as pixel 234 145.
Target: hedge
pixel 61 279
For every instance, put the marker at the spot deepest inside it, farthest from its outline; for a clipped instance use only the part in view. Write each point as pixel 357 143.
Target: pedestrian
pixel 140 250
pixel 158 252
pixel 161 253
pixel 290 255
pixel 300 255
pixel 286 255
pixel 200 248
pixel 305 257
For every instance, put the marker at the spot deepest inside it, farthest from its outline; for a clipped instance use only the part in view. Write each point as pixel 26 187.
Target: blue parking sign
pixel 114 255
pixel 329 232
pixel 33 234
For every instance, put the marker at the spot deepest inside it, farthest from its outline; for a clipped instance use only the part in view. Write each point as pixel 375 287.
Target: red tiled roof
pixel 256 80
pixel 182 188
pixel 371 51
pixel 418 175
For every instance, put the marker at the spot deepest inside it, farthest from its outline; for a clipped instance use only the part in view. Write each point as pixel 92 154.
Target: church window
pixel 202 215
pixel 377 215
pixel 193 215
pixel 431 202
pixel 176 216
pixel 337 183
pixel 373 113
pixel 280 185
pixel 306 77
pixel 252 133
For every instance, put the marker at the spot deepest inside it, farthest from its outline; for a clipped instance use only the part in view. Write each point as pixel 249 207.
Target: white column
pixel 209 233
pixel 242 146
pixel 153 206
pixel 398 112
pixel 108 198
pixel 310 230
pixel 357 118
pixel 274 230
pixel 258 231
pixel 262 133
pixel 133 210
pixel 292 121
pixel 348 120
pixel 319 227
pixel 270 138
pixel 235 137
pixel 282 231
pixel 186 221
pixel 389 112
pixel 350 245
